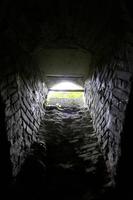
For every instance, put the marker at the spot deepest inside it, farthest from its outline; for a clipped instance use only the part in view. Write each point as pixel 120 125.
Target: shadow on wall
pixel 30 182
pixel 5 163
pixel 125 169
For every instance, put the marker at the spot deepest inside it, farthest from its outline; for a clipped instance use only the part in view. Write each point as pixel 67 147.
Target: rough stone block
pixel 17 115
pixel 24 116
pixel 29 116
pixel 29 130
pixel 115 101
pixel 23 106
pixel 122 106
pixel 27 105
pixel 14 93
pixel 24 125
pixel 123 75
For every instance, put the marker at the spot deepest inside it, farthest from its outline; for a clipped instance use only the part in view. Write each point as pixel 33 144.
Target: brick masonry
pixel 107 94
pixel 24 111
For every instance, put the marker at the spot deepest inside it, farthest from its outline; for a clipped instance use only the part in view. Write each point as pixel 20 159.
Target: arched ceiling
pixel 69 62
pixel 58 36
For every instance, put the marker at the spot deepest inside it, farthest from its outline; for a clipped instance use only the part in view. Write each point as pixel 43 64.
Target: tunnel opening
pixel 66 94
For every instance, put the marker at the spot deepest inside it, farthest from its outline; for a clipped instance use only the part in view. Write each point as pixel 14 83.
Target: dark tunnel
pixel 66 99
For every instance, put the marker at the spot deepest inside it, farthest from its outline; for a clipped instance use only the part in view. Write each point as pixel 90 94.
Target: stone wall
pixel 107 95
pixel 23 112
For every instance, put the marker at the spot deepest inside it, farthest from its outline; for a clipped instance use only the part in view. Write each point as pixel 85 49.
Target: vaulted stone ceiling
pixel 61 28
pixel 73 62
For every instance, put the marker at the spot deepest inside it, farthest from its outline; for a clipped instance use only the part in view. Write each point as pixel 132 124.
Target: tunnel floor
pixel 72 166
pixel 75 165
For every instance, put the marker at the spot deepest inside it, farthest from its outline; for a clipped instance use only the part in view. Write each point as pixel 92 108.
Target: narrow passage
pixel 75 165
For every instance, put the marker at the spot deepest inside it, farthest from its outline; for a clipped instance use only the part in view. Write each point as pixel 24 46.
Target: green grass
pixel 65 95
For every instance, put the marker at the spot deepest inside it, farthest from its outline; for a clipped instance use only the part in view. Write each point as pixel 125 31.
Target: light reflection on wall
pixel 66 85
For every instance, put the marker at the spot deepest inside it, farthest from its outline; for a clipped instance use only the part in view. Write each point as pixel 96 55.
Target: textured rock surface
pixel 23 112
pixel 107 95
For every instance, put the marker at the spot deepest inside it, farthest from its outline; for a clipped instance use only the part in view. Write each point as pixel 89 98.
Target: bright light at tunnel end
pixel 66 85
pixel 66 94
